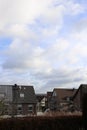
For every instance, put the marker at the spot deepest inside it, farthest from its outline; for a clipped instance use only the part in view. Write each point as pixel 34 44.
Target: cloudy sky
pixel 43 43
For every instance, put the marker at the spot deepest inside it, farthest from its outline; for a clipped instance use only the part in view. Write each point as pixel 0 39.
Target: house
pixel 78 96
pixel 61 97
pixel 18 99
pixel 44 104
pixel 24 100
pixel 41 102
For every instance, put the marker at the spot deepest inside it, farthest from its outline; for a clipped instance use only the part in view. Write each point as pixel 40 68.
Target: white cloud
pixel 13 13
pixel 38 50
pixel 66 78
pixel 74 8
pixel 78 50
pixel 23 55
pixel 21 11
pixel 20 31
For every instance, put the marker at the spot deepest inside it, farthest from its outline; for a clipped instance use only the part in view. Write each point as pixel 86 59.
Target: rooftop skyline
pixel 43 43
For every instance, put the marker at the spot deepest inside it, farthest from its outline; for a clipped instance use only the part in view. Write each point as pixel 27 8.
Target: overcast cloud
pixel 43 43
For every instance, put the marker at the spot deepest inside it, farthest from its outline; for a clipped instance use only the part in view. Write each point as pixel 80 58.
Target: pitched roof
pixel 63 92
pixel 49 95
pixel 24 94
pixel 40 96
pixel 83 88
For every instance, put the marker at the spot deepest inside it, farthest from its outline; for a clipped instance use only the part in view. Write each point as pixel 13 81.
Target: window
pixel 30 108
pixel 19 109
pixel 22 95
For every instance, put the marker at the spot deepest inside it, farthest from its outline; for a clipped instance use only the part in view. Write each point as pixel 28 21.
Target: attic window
pixel 22 95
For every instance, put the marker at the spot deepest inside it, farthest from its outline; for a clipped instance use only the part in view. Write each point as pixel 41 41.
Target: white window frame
pixel 30 106
pixel 21 95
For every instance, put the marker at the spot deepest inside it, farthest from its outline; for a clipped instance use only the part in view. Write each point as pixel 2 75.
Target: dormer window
pixel 21 95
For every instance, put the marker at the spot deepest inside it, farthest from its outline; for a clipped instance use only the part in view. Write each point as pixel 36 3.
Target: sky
pixel 43 43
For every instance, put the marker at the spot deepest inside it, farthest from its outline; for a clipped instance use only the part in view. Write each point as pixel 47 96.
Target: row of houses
pixel 22 100
pixel 62 99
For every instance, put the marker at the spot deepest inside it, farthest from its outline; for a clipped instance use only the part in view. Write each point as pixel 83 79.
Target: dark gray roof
pixel 26 91
pixel 82 88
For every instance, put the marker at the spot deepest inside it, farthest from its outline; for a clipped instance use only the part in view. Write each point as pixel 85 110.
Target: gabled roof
pixel 62 93
pixel 49 95
pixel 27 91
pixel 83 88
pixel 40 96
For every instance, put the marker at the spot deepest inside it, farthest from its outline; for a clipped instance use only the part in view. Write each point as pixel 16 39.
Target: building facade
pixel 41 102
pixel 18 99
pixel 78 96
pixel 61 98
